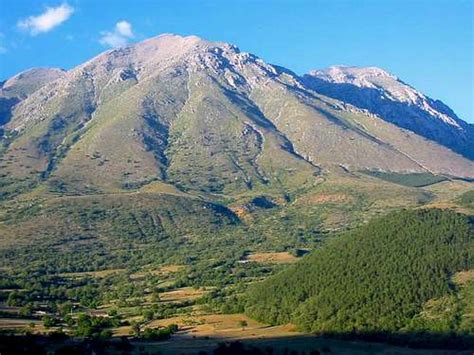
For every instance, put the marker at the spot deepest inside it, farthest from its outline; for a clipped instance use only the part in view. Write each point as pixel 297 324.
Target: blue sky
pixel 426 43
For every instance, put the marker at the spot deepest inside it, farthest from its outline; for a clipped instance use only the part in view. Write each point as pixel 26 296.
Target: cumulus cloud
pixel 124 28
pixel 49 19
pixel 119 37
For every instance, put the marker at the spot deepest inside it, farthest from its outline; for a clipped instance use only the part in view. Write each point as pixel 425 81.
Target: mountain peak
pixel 359 76
pixel 379 92
pixel 165 38
pixel 175 107
pixel 384 85
pixel 30 80
pixel 152 54
pixel 172 41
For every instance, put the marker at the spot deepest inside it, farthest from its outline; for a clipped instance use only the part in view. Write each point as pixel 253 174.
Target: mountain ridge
pixel 385 95
pixel 170 107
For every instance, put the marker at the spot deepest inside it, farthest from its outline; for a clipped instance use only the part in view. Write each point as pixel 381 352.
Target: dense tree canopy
pixel 375 278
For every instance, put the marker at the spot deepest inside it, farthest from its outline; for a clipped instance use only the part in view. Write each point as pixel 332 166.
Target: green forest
pixel 392 275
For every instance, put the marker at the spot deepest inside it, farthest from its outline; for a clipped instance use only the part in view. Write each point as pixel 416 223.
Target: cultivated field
pixel 277 258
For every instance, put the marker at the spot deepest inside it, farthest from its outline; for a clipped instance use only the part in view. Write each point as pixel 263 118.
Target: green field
pixel 409 179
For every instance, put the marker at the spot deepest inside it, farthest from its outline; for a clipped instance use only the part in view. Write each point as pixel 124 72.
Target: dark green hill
pixel 378 278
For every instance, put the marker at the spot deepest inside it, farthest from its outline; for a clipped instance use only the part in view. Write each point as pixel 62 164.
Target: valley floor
pixel 144 259
pixel 254 340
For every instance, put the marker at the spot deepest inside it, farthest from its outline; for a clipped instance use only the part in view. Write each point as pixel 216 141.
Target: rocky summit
pixel 386 96
pixel 205 116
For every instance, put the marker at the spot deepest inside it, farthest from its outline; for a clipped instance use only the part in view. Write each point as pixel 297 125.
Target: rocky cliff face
pixel 202 116
pixel 383 94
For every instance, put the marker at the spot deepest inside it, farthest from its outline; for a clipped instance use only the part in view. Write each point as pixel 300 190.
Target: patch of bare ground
pixel 449 205
pixel 447 194
pixel 463 277
pixel 229 326
pixel 273 258
pixel 182 294
pixel 35 326
pixel 240 211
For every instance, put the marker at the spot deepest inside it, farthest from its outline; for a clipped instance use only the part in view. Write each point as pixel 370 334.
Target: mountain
pixel 21 86
pixel 200 115
pixel 180 166
pixel 27 82
pixel 386 96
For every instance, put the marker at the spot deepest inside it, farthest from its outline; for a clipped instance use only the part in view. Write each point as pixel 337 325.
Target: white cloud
pixel 49 19
pixel 119 37
pixel 124 28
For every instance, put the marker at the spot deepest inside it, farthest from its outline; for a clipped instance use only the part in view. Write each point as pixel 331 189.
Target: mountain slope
pixel 381 277
pixel 21 86
pixel 171 120
pixel 202 116
pixel 383 94
pixel 93 232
